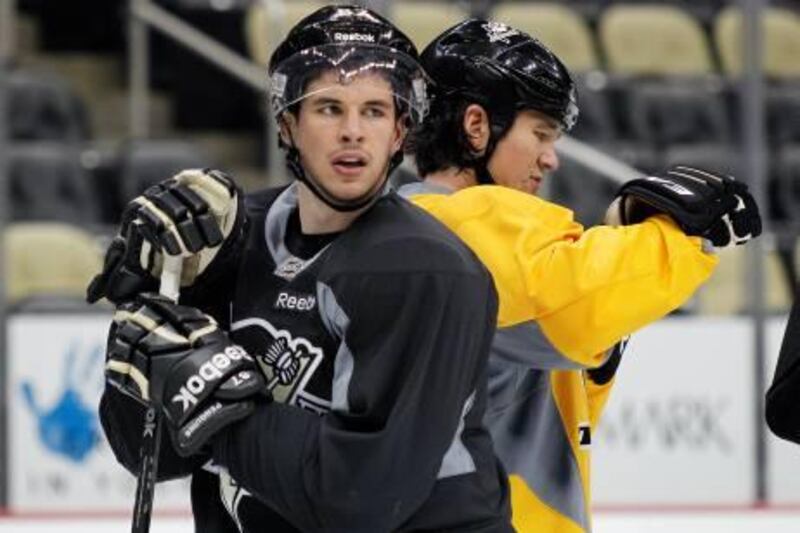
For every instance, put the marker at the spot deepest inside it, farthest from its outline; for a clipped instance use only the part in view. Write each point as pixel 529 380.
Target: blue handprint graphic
pixel 70 427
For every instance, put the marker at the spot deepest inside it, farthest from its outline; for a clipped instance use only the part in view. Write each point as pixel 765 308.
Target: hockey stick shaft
pixel 151 436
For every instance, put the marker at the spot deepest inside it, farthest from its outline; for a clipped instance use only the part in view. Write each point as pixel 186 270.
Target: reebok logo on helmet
pixel 358 37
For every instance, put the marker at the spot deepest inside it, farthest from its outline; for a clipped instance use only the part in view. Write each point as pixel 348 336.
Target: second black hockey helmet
pixel 499 66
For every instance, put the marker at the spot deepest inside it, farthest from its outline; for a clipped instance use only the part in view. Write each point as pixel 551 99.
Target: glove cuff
pixel 190 438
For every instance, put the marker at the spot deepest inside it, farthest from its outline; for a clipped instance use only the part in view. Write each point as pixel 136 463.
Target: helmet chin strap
pixel 481 163
pixel 481 168
pixel 328 198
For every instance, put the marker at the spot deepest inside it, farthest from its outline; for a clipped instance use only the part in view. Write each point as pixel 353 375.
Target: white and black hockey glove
pixel 191 215
pixel 177 358
pixel 703 203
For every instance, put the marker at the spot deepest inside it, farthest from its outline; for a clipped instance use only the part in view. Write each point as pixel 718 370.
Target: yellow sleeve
pixel 585 289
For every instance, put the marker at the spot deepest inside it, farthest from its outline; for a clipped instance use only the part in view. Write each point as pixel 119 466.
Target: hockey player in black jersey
pixel 783 396
pixel 325 370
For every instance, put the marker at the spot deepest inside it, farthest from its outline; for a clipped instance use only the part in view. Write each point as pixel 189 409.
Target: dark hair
pixel 440 142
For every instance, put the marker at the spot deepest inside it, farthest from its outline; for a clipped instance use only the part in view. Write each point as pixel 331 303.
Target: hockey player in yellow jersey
pixel 567 296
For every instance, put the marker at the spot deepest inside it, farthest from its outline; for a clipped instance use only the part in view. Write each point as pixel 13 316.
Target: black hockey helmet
pixel 498 64
pixel 502 69
pixel 350 41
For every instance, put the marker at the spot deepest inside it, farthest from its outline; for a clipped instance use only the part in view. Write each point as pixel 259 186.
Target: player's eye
pixel 374 112
pixel 329 109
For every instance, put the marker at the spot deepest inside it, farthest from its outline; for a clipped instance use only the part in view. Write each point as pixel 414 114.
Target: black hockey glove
pixel 606 372
pixel 177 358
pixel 702 203
pixel 190 214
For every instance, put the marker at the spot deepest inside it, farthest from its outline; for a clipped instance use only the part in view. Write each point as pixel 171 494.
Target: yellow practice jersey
pixel 566 297
pixel 584 290
pixel 542 423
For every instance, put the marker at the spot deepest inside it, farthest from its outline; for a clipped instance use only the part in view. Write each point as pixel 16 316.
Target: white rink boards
pixel 678 432
pixel 729 522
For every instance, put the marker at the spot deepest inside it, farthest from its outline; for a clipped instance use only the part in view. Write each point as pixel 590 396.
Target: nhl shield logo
pixel 290 268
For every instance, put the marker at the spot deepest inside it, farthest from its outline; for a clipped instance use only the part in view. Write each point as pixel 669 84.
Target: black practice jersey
pixel 374 345
pixel 783 396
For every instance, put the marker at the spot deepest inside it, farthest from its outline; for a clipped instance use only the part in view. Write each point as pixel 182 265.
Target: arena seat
pixel 596 120
pixel 558 26
pixel 676 110
pixel 258 26
pixel 423 20
pixel 719 157
pixel 48 182
pixel 781 45
pixel 726 290
pixel 146 163
pixel 783 113
pixel 653 40
pixel 42 107
pixel 49 260
pixel 787 174
pixel 589 9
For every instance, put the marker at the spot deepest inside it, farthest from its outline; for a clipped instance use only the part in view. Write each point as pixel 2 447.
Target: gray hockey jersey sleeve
pixel 414 349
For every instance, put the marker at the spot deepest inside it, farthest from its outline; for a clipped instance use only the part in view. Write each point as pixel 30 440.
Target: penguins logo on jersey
pixel 288 364
pixel 284 362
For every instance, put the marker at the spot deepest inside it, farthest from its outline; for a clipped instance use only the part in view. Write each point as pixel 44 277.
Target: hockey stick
pixel 151 437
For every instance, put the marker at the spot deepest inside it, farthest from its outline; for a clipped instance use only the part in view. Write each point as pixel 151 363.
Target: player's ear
pixel 400 133
pixel 286 126
pixel 476 127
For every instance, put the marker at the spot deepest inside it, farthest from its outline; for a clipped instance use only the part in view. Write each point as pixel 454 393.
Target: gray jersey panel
pixel 526 344
pixel 287 265
pixel 422 187
pixel 530 438
pixel 457 459
pixel 336 322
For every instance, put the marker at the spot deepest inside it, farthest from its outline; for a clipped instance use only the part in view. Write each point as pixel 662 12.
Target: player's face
pixel 526 153
pixel 346 134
